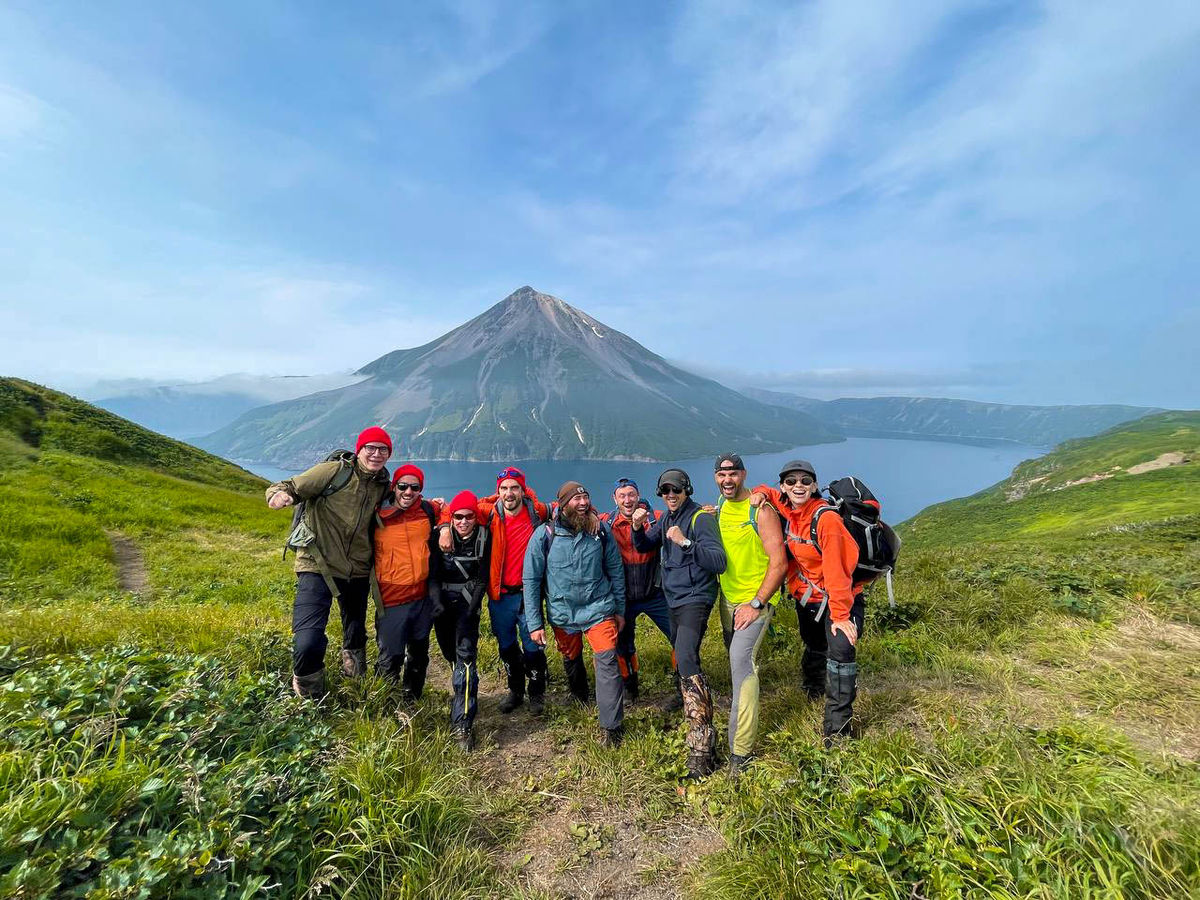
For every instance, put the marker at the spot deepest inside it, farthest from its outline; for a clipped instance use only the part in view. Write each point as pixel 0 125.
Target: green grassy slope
pixel 1030 717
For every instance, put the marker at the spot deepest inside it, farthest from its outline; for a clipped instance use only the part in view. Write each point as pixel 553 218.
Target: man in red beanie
pixel 460 578
pixel 404 614
pixel 335 503
pixel 510 515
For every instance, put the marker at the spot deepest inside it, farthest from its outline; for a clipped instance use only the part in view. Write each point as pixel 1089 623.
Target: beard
pixel 578 521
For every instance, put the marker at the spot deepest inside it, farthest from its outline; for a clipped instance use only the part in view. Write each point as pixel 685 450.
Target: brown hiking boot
pixel 354 663
pixel 701 736
pixel 311 686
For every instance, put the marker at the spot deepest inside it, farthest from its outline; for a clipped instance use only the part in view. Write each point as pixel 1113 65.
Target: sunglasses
pixel 510 472
pixel 462 517
pixel 404 487
pixel 806 480
pixel 375 450
pixel 669 489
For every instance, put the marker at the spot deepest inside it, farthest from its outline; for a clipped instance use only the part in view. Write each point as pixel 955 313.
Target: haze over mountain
pixel 187 410
pixel 959 420
pixel 530 378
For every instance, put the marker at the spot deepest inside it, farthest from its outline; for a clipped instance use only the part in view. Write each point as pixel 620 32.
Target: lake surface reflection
pixel 906 475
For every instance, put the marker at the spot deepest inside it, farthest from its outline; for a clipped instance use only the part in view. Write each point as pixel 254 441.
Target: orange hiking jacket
pixel 491 513
pixel 828 570
pixel 402 543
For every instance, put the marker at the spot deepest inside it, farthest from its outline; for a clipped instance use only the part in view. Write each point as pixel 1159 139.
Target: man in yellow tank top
pixel 757 564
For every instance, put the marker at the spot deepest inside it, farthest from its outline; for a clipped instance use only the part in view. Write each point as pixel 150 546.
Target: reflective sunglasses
pixel 463 516
pixel 510 472
pixel 806 480
pixel 669 489
pixel 404 487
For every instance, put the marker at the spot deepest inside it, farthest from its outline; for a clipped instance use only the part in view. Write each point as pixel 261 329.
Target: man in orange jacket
pixel 405 609
pixel 511 515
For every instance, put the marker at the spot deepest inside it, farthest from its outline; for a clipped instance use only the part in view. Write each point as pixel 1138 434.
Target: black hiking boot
pixel 514 668
pixel 612 737
pixel 631 689
pixel 700 766
pixel 535 665
pixel 577 680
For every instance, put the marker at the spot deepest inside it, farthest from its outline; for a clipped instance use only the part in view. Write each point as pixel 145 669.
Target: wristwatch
pixel 756 604
pixel 687 542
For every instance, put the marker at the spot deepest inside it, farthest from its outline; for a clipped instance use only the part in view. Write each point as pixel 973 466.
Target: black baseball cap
pixel 675 477
pixel 729 461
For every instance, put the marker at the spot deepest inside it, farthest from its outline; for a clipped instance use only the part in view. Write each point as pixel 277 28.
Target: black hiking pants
pixel 310 615
pixel 402 633
pixel 829 663
pixel 457 631
pixel 688 625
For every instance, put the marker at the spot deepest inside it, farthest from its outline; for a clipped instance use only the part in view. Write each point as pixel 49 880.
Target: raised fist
pixel 280 499
pixel 675 533
pixel 638 520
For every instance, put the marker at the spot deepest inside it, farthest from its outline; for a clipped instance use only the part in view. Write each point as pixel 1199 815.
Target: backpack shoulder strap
pixel 430 513
pixel 820 511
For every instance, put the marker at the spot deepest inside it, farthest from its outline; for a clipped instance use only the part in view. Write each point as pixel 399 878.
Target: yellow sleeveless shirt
pixel 747 560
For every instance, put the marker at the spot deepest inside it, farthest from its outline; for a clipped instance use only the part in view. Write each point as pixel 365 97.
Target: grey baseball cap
pixel 797 465
pixel 729 461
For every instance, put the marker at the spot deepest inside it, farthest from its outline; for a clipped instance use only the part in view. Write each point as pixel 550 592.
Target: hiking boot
pixel 738 764
pixel 354 663
pixel 612 737
pixel 840 691
pixel 511 701
pixel 700 765
pixel 464 737
pixel 514 669
pixel 311 686
pixel 537 704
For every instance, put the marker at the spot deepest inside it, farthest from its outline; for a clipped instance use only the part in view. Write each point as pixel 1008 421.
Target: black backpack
pixel 878 544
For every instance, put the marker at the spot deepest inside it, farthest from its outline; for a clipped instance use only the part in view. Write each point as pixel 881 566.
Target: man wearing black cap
pixel 692 558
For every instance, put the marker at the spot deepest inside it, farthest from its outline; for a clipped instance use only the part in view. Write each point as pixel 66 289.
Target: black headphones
pixel 687 482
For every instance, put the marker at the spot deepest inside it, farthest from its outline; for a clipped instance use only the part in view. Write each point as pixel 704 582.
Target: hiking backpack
pixel 300 535
pixel 878 544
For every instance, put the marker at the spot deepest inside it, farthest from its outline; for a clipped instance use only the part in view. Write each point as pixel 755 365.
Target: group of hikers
pixel 362 539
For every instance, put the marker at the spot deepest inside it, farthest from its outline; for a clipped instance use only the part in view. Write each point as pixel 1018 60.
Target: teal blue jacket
pixel 582 582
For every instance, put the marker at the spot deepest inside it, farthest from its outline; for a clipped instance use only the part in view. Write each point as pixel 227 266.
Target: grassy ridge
pixel 1031 719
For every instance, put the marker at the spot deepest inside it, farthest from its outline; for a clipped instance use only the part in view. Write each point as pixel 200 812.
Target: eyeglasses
pixel 464 516
pixel 405 486
pixel 669 489
pixel 806 480
pixel 376 450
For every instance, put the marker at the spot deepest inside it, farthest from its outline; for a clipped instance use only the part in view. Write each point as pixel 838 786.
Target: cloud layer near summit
pixel 989 200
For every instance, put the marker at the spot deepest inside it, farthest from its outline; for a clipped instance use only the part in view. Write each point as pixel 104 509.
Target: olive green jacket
pixel 342 521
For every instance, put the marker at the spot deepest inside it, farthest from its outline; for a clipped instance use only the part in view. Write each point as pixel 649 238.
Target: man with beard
pixel 691 557
pixel 576 567
pixel 511 514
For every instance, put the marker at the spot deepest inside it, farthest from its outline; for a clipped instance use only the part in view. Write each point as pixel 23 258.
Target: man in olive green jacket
pixel 337 563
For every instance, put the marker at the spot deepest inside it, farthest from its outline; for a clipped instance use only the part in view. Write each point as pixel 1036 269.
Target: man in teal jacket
pixel 575 566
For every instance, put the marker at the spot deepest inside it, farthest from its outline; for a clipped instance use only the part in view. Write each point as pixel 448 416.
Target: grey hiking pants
pixel 743 647
pixel 610 686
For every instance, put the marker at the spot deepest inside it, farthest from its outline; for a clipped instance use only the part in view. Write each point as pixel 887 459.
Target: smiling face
pixel 463 522
pixel 795 488
pixel 408 491
pixel 730 482
pixel 673 496
pixel 626 499
pixel 373 456
pixel 512 495
pixel 580 503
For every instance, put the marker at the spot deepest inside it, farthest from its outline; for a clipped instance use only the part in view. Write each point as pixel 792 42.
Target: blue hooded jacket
pixel 582 581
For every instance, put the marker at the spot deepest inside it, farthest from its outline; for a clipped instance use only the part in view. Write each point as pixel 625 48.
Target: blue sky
pixel 986 200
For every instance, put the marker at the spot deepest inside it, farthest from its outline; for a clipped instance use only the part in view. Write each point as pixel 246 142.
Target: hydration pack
pixel 878 544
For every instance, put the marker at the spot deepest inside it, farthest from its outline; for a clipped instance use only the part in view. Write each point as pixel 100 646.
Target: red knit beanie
pixel 372 435
pixel 409 469
pixel 464 500
pixel 514 473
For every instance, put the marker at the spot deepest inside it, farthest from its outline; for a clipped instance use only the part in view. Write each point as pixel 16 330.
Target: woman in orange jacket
pixel 829 604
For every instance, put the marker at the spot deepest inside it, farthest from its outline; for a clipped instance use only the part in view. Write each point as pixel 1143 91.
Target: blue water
pixel 906 475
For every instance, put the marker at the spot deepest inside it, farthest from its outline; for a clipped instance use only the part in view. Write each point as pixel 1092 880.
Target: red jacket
pixel 491 513
pixel 828 571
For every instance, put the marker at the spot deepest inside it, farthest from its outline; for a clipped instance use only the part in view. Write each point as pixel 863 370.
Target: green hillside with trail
pixel 1030 710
